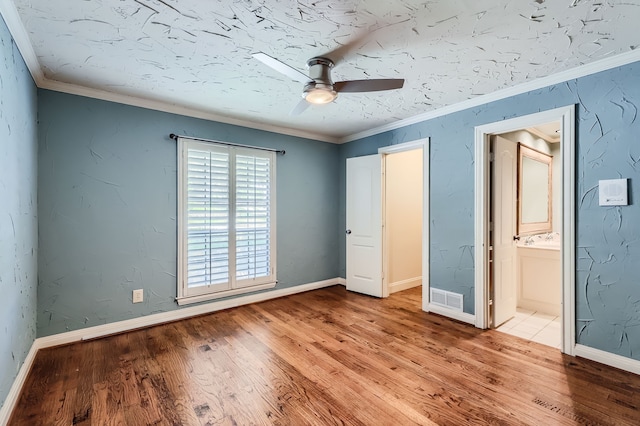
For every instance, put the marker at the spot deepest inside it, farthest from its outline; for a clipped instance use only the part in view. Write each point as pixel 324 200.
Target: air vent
pixel 447 299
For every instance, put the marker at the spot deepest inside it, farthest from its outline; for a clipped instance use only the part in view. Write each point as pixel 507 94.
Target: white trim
pixel 540 83
pixel 171 108
pixel 567 117
pixel 481 274
pixel 141 322
pixel 405 284
pixel 405 146
pixel 607 358
pixel 178 314
pixel 341 281
pixel 424 144
pixel 597 355
pixel 18 382
pixel 568 147
pixel 232 286
pixel 450 313
pixel 189 300
pixel 21 38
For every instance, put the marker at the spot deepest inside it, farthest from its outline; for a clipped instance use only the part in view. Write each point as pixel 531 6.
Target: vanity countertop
pixel 550 241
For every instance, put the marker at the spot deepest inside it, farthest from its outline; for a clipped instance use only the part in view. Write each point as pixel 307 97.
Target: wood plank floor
pixel 320 358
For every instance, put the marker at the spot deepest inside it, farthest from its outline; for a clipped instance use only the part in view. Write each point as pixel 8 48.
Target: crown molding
pixel 23 42
pixel 155 105
pixel 21 38
pixel 537 133
pixel 540 83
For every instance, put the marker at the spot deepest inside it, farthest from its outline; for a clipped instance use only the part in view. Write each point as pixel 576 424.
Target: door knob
pixel 348 231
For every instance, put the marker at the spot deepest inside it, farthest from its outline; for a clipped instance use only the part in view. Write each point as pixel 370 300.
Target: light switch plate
pixel 613 192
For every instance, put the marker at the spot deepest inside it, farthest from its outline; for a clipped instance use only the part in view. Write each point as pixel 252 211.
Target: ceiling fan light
pixel 319 96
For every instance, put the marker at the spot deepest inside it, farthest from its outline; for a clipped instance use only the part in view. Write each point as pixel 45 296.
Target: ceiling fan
pixel 319 88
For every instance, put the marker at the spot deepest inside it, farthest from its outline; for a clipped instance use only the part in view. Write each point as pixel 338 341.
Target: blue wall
pixel 608 238
pixel 107 205
pixel 18 209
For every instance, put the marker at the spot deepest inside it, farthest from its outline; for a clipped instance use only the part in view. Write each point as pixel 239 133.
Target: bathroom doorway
pixel 525 276
pixel 497 267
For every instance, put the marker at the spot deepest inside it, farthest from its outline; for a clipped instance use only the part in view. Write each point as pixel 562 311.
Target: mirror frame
pixel 534 227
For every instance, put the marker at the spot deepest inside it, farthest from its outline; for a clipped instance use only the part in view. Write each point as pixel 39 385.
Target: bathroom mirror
pixel 534 191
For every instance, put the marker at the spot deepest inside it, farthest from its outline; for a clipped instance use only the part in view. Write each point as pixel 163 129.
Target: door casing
pixel 566 116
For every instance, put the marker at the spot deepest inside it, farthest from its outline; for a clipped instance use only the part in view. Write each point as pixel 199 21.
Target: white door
pixel 504 229
pixel 364 225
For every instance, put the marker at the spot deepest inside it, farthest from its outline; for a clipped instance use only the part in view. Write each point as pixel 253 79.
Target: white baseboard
pixel 178 314
pixel 607 358
pixel 613 360
pixel 342 281
pixel 142 322
pixel 16 388
pixel 450 313
pixel 405 284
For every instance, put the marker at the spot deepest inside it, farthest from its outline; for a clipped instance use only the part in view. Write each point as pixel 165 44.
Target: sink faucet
pixel 549 236
pixel 528 240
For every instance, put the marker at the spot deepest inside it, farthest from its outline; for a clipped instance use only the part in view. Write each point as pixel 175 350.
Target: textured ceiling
pixel 197 54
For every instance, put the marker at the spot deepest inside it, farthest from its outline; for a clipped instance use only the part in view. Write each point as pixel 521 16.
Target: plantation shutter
pixel 207 218
pixel 253 217
pixel 226 219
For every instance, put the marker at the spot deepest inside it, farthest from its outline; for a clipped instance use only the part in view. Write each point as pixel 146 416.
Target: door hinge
pixel 492 156
pixel 490 302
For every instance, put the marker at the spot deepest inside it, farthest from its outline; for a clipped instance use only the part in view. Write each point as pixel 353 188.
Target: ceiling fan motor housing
pixel 320 88
pixel 320 70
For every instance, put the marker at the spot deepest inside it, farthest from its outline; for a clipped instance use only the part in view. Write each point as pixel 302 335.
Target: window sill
pixel 186 300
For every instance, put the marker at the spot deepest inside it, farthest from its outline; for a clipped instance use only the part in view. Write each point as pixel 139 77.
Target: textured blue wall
pixel 107 204
pixel 18 209
pixel 608 238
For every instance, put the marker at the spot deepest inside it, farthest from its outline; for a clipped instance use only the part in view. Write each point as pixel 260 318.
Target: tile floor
pixel 535 326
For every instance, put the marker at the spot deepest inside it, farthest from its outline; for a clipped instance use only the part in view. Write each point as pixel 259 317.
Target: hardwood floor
pixel 318 358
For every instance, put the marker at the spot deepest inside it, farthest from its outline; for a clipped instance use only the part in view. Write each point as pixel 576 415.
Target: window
pixel 226 220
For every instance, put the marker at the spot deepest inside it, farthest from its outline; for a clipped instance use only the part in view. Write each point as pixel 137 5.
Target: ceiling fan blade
pixel 300 108
pixel 352 86
pixel 344 51
pixel 281 67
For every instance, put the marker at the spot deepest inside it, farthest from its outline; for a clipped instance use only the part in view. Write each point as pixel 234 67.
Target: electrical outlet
pixel 138 295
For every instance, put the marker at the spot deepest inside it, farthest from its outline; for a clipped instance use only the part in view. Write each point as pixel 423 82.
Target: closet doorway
pixel 402 211
pixel 387 212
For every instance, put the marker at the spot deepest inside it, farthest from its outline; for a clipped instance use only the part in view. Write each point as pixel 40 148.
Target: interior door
pixel 504 229
pixel 364 225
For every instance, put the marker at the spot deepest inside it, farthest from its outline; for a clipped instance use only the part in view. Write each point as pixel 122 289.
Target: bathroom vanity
pixel 539 273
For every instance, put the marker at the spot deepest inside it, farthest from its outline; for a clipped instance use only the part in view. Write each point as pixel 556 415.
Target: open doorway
pixel 489 234
pixel 406 187
pixel 368 259
pixel 525 276
pixel 402 213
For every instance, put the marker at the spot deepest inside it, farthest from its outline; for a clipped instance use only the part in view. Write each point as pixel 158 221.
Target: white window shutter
pixel 226 218
pixel 207 218
pixel 253 217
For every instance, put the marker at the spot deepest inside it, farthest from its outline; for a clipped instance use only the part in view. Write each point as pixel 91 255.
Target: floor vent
pixel 447 299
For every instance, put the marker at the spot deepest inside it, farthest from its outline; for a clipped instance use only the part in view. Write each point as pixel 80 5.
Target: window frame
pixel 186 295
